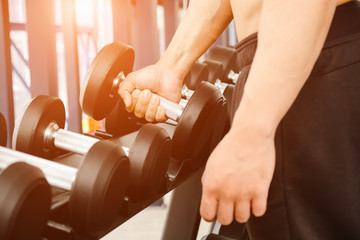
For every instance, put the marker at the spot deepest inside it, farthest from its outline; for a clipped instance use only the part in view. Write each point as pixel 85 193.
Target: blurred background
pixel 52 43
pixel 46 47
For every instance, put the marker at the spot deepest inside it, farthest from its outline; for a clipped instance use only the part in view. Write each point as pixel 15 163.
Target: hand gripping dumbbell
pixel 25 201
pixel 99 95
pixel 101 181
pixel 41 132
pixel 227 57
pixel 3 131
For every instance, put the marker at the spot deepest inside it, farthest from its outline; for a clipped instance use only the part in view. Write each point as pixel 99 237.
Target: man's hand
pixel 237 177
pixel 137 91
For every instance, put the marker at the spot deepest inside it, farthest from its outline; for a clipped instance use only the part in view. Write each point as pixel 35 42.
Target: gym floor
pixel 149 224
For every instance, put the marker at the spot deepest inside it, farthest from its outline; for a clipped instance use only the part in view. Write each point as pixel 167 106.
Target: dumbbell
pixel 199 72
pixel 99 95
pixel 3 131
pixel 25 201
pixel 227 57
pixel 40 132
pixel 129 122
pixel 215 73
pixel 96 188
pixel 214 70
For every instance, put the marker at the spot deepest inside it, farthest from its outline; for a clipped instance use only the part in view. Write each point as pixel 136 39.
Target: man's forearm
pixel 202 24
pixel 291 36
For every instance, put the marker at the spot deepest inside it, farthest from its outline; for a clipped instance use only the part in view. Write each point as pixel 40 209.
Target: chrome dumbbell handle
pixel 70 141
pixel 183 102
pixel 221 85
pixel 172 110
pixel 186 92
pixel 233 76
pixel 56 174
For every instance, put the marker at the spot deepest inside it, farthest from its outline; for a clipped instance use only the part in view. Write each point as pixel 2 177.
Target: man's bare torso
pixel 247 15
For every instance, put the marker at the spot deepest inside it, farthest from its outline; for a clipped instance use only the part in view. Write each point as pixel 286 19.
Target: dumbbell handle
pixel 233 76
pixel 172 110
pixel 70 141
pixel 221 85
pixel 56 174
pixel 182 103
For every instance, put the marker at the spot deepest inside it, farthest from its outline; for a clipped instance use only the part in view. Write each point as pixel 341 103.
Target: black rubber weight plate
pixel 96 99
pixel 24 202
pixel 149 159
pixel 225 55
pixel 120 122
pixel 199 72
pixel 29 131
pixel 3 131
pixel 215 70
pixel 195 124
pixel 100 186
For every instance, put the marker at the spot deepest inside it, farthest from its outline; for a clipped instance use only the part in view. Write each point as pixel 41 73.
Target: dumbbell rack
pixel 58 224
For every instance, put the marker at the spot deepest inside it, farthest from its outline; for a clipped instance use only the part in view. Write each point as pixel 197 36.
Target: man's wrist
pixel 176 65
pixel 251 117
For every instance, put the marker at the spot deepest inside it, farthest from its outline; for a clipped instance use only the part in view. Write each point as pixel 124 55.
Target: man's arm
pixel 291 36
pixel 239 171
pixel 202 24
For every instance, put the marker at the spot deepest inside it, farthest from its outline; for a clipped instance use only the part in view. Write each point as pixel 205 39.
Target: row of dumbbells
pixel 107 173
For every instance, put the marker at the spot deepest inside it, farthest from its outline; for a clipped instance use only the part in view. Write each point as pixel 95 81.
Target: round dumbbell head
pixel 215 70
pixel 3 131
pixel 195 124
pixel 98 94
pixel 225 55
pixel 199 72
pixel 30 128
pixel 149 156
pixel 120 122
pixel 24 202
pixel 99 188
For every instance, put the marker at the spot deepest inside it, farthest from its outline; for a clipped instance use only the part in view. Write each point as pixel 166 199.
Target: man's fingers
pixel 142 104
pixel 134 99
pixel 208 207
pixel 152 108
pixel 225 213
pixel 160 114
pixel 125 90
pixel 242 210
pixel 259 203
